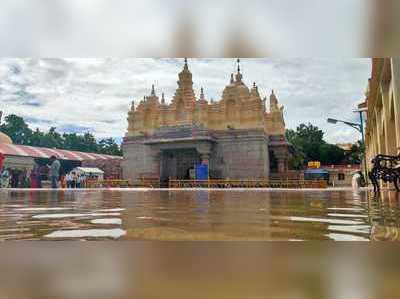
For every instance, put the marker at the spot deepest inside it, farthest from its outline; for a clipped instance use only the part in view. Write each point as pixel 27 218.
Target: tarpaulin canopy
pixel 41 152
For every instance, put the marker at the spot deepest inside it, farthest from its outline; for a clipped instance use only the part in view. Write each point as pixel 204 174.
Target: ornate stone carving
pixel 239 108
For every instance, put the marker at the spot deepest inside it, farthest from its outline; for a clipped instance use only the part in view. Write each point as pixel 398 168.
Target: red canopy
pixel 42 152
pixel 1 160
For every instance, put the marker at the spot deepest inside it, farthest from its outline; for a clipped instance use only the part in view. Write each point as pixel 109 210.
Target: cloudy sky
pixel 79 95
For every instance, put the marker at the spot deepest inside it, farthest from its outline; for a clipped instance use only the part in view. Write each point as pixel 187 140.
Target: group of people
pixel 70 180
pixel 75 180
pixel 14 178
pixel 22 178
pixel 17 178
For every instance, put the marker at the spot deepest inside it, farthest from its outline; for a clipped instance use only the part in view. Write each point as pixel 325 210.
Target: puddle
pixel 88 233
pixel 116 221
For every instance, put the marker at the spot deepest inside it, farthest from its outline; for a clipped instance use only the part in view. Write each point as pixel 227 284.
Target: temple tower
pixel 234 135
pixel 184 99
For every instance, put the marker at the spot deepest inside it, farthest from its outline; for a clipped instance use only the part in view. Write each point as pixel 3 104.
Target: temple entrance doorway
pixel 176 164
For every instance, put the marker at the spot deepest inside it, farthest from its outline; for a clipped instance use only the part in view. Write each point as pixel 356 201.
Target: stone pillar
pixel 155 161
pixel 204 150
pixel 205 158
pixel 281 165
pixel 282 159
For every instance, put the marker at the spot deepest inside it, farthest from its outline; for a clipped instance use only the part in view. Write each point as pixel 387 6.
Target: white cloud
pixel 96 93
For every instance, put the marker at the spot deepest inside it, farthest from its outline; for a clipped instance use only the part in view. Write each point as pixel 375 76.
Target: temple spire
pixel 273 102
pixel 133 105
pixel 162 98
pixel 201 93
pixel 186 67
pixel 232 79
pixel 238 75
pixel 153 92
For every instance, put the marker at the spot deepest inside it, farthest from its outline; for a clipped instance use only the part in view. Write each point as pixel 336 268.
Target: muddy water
pixel 199 215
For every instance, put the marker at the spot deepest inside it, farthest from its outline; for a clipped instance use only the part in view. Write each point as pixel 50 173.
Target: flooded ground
pixel 199 215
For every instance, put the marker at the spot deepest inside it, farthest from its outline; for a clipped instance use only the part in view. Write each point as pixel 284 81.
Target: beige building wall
pixel 239 108
pixel 383 103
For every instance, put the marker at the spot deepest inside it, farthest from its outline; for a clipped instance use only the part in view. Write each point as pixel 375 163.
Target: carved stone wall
pixel 235 154
pixel 240 108
pixel 233 135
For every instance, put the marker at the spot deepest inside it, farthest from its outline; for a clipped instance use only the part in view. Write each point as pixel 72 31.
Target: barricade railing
pixel 107 184
pixel 213 183
pixel 225 183
pixel 147 182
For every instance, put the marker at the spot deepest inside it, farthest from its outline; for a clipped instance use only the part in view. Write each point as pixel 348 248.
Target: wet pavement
pixel 294 215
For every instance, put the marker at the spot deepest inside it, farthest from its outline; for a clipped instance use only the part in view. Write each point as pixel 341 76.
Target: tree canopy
pixel 309 145
pixel 19 131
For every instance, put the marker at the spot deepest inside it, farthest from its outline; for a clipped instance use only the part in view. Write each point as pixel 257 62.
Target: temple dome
pixel 5 138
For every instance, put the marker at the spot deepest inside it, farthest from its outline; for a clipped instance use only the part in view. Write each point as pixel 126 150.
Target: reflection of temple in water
pixel 196 215
pixel 236 136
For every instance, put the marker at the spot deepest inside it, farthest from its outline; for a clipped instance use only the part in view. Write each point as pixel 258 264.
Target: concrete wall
pixel 241 155
pixel 139 161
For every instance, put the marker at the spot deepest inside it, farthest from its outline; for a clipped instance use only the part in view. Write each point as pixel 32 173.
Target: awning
pixel 42 152
pixel 93 170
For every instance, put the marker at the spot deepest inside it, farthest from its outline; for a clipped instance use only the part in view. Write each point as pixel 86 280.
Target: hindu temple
pixel 240 136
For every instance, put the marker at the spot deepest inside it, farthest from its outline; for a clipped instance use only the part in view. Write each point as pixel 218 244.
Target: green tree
pixel 309 145
pixel 17 129
pixel 37 138
pixel 52 139
pixel 108 146
pixel 330 154
pixel 90 143
pixel 355 154
pixel 298 156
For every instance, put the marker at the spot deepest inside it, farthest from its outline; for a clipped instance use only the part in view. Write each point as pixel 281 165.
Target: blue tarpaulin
pixel 201 172
pixel 313 174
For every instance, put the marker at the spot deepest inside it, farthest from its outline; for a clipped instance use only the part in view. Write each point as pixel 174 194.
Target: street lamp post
pixel 360 128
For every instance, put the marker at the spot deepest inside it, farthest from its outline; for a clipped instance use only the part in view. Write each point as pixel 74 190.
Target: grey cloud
pixel 96 93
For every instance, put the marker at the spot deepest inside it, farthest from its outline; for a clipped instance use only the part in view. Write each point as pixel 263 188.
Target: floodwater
pixel 295 215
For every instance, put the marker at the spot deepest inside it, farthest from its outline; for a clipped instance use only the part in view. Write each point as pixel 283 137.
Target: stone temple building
pixel 382 134
pixel 236 136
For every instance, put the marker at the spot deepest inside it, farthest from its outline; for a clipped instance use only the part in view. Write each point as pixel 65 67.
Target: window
pixel 341 177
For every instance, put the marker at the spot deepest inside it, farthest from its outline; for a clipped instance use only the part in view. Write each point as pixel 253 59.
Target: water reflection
pixel 199 215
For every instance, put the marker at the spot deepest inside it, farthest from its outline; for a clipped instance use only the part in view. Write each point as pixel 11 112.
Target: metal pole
pixel 364 147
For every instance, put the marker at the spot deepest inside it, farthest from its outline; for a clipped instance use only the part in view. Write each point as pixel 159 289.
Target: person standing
pixel 356 180
pixel 5 178
pixel 35 176
pixel 15 178
pixel 79 181
pixel 54 171
pixel 68 180
pixel 74 179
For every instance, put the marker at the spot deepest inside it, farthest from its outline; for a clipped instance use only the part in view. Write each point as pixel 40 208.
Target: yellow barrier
pixel 155 183
pixel 107 183
pixel 292 184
